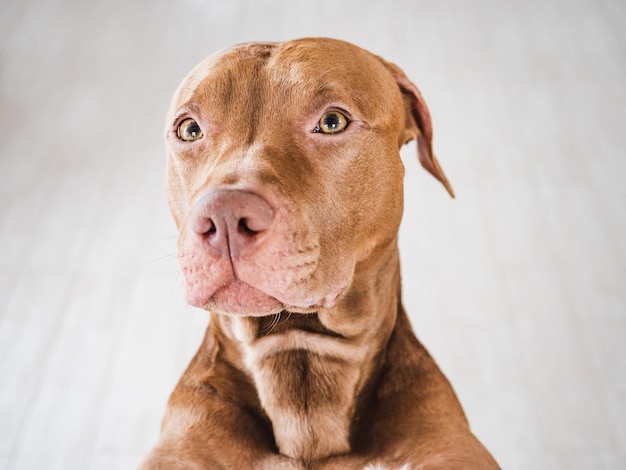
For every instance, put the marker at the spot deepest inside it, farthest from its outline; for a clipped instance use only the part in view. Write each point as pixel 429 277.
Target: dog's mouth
pixel 242 299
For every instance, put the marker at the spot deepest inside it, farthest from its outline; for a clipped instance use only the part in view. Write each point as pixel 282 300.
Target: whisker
pixel 273 323
pixel 155 260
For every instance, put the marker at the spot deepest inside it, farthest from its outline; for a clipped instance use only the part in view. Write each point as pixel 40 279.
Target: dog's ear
pixel 418 124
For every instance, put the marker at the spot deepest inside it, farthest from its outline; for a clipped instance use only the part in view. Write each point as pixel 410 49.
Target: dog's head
pixel 284 172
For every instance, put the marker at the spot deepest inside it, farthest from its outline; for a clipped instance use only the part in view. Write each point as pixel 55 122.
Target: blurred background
pixel 517 287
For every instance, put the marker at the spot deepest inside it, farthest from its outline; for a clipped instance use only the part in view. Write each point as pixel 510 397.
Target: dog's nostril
pixel 212 228
pixel 208 227
pixel 244 227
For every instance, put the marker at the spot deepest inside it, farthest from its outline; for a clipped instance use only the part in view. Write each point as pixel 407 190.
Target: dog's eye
pixel 332 122
pixel 189 130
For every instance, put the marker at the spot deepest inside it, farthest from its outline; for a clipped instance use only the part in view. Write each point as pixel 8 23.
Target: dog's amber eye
pixel 332 122
pixel 189 130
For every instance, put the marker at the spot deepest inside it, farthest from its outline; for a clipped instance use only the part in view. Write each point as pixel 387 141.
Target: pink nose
pixel 231 220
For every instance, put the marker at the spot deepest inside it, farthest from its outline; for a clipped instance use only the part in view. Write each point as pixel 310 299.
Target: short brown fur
pixel 309 361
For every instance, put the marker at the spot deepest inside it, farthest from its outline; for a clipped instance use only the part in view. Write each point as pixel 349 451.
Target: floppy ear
pixel 418 124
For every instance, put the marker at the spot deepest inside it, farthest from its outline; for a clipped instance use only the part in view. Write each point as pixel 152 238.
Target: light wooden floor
pixel 518 287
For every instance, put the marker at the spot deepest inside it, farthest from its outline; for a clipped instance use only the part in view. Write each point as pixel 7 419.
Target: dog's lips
pixel 240 298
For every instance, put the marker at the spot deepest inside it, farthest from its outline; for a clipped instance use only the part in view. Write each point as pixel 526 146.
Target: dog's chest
pixel 310 400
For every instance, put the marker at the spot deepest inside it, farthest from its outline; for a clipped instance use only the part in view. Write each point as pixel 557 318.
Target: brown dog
pixel 285 181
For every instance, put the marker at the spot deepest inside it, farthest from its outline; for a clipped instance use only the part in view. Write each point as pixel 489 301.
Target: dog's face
pixel 284 173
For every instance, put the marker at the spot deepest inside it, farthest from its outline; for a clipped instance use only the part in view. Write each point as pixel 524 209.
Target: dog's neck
pixel 310 370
